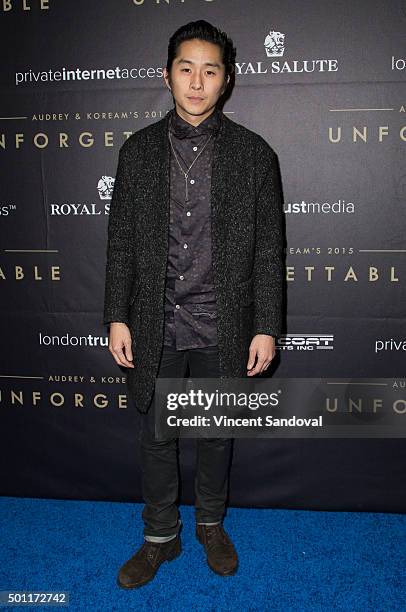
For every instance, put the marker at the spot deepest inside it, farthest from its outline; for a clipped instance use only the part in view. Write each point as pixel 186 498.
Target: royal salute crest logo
pixel 275 44
pixel 105 187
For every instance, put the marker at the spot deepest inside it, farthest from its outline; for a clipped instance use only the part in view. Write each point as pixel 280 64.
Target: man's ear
pixel 167 79
pixel 226 83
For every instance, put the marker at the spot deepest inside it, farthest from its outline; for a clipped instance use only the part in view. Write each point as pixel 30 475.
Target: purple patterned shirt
pixel 190 300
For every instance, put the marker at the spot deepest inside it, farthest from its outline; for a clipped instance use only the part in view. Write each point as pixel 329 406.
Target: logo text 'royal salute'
pixel 105 188
pixel 274 45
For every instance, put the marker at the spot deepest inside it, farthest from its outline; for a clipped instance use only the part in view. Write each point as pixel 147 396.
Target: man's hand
pixel 263 347
pixel 119 339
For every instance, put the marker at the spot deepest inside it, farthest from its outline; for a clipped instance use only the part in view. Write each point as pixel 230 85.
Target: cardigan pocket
pixel 246 311
pixel 135 293
pixel 135 307
pixel 246 291
pixel 137 333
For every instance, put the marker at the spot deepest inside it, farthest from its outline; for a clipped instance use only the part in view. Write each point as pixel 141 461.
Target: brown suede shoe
pixel 221 555
pixel 144 564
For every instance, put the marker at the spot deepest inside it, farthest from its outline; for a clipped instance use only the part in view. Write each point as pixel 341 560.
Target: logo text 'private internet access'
pixel 275 48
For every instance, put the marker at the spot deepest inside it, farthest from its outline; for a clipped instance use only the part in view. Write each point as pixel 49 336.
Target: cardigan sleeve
pixel 268 264
pixel 120 248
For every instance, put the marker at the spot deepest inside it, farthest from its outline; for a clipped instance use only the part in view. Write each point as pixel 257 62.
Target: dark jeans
pixel 159 463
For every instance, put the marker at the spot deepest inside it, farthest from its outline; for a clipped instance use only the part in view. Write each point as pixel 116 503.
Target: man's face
pixel 196 79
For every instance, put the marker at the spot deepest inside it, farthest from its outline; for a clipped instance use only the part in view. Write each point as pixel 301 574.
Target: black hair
pixel 203 30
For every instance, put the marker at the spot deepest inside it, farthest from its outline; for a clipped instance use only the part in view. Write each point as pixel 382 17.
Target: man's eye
pixel 210 72
pixel 185 69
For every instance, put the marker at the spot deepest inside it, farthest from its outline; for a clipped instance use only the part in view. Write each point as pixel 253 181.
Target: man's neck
pixel 192 119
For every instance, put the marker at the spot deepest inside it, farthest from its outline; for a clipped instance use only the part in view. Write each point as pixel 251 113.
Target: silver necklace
pixel 186 174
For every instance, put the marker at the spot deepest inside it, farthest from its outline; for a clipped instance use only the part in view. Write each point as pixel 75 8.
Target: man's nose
pixel 196 81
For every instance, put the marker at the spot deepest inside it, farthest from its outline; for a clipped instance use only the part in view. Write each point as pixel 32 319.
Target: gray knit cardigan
pixel 247 247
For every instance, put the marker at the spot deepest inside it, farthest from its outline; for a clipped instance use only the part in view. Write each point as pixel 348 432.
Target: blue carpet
pixel 289 559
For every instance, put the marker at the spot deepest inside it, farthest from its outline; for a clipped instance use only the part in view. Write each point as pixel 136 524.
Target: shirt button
pixel 181 277
pixel 185 246
pixel 188 213
pixel 177 306
pixel 194 148
pixel 192 181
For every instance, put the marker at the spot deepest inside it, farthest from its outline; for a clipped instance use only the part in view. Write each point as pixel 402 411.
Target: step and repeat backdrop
pixel 323 83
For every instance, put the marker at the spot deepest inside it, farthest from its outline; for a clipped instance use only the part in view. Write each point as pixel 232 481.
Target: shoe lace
pixel 213 532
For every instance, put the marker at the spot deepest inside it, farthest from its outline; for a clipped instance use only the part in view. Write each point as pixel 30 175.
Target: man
pixel 193 278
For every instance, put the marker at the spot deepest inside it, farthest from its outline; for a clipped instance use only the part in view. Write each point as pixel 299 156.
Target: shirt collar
pixel 183 129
